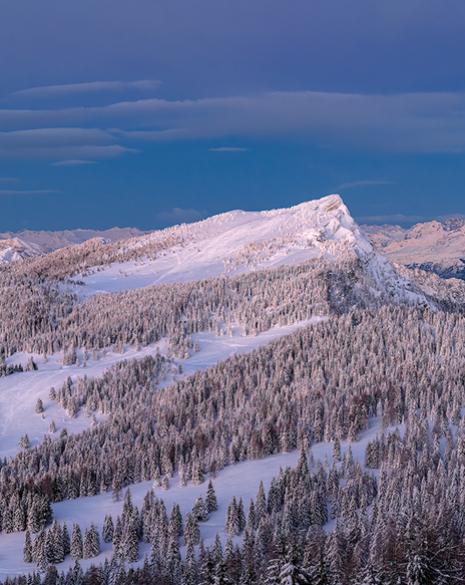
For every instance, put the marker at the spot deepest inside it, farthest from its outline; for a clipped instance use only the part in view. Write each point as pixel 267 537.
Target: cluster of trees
pixel 24 508
pixel 397 526
pixel 52 545
pixel 42 316
pixel 120 386
pixel 151 524
pixel 372 361
pixel 324 382
pixel 7 369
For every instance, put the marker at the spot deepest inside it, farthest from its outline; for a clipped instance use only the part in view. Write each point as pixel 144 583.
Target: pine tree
pixel 27 550
pixel 51 576
pixel 91 547
pixel 176 527
pixel 191 530
pixel 66 540
pixel 211 501
pixel 220 576
pixel 199 510
pixel 273 571
pixel 39 406
pixel 131 543
pixel 108 528
pixel 232 518
pixel 24 442
pixel 76 548
pixel 291 574
pixel 40 550
pixel 241 522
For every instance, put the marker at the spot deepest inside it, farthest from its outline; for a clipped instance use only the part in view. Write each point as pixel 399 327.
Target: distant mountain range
pixel 25 244
pixel 436 246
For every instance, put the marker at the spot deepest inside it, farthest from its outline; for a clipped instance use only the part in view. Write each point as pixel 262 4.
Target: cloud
pixel 61 144
pixel 80 152
pixel 420 123
pixel 8 180
pixel 54 137
pixel 363 183
pixel 27 192
pixel 180 215
pixel 400 123
pixel 71 89
pixel 228 149
pixel 73 163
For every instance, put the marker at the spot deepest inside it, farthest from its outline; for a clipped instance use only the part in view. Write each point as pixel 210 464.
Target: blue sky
pixel 150 113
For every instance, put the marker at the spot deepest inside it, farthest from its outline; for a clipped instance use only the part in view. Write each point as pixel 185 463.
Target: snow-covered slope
pixel 19 392
pixel 25 244
pixel 436 245
pixel 239 241
pixel 13 249
pixel 236 242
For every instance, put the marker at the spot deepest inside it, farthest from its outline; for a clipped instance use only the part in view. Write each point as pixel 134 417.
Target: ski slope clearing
pixel 19 392
pixel 236 242
pixel 240 480
pixel 214 349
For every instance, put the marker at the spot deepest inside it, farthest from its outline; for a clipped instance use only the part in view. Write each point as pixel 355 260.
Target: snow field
pixel 240 480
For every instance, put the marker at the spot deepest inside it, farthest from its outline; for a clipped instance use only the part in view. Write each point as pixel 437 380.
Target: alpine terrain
pixel 256 398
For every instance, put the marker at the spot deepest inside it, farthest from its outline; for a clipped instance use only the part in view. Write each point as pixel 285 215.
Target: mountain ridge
pixel 436 246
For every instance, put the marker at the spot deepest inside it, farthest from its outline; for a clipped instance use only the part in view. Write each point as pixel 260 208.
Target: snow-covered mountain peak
pixel 237 241
pixel 319 226
pixel 434 245
pixel 13 249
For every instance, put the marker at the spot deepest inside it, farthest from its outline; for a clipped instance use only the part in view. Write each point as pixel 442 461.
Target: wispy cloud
pixel 8 180
pixel 27 192
pixel 422 123
pixel 228 149
pixel 363 183
pixel 73 163
pixel 62 144
pixel 93 87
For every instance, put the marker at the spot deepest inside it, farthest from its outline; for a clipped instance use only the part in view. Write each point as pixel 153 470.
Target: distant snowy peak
pixel 14 249
pixel 438 246
pixel 26 244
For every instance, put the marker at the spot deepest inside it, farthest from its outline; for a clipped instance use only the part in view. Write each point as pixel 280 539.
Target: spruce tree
pixel 27 550
pixel 76 548
pixel 107 531
pixel 211 501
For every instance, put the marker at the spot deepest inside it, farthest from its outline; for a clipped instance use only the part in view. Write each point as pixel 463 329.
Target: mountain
pixel 273 358
pixel 238 242
pixel 436 246
pixel 15 248
pixel 320 232
pixel 25 244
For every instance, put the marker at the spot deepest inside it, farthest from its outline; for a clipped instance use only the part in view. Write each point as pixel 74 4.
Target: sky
pixel 148 113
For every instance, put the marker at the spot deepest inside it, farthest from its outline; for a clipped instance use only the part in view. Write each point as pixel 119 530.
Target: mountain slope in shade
pixel 438 246
pixel 237 242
